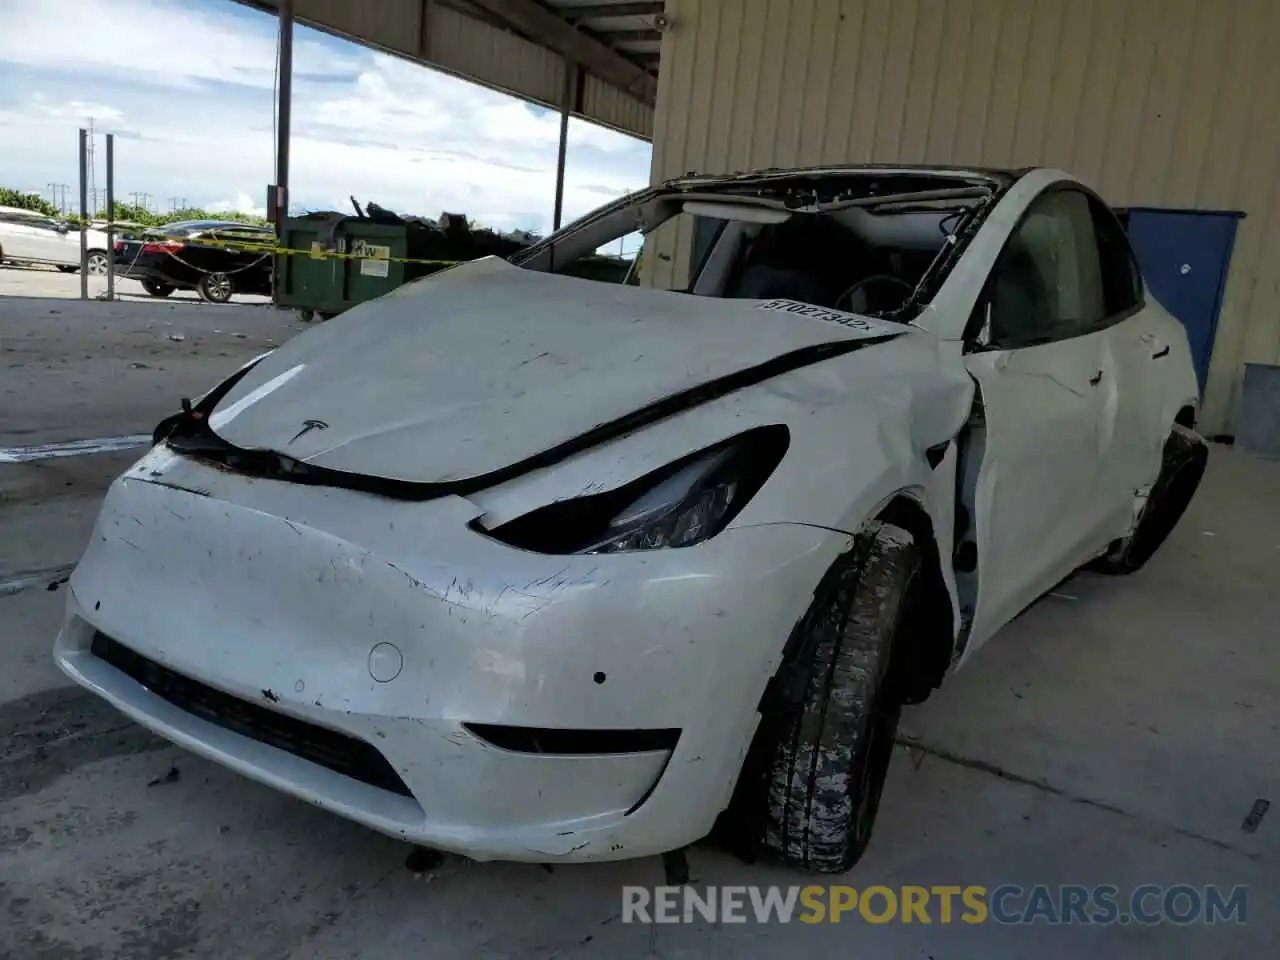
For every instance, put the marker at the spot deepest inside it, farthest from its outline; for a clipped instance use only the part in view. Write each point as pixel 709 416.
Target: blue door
pixel 1184 256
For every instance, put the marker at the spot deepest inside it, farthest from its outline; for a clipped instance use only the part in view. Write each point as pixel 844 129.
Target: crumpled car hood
pixel 484 365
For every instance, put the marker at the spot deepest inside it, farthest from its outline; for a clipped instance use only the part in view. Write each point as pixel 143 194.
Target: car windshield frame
pixel 802 191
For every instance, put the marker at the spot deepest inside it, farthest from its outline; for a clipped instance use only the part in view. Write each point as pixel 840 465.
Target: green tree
pixel 27 201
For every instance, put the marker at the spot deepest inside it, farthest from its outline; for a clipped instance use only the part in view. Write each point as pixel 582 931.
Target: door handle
pixel 1095 379
pixel 1161 353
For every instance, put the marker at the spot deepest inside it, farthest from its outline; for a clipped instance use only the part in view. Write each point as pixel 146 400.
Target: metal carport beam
pixel 651 8
pixel 545 27
pixel 571 101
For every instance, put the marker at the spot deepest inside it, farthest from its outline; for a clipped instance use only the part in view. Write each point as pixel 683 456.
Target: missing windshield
pixel 860 244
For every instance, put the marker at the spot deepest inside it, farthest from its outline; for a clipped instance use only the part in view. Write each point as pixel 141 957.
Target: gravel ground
pixel 77 369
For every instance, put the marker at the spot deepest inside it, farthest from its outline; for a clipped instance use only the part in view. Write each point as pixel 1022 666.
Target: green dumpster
pixel 369 263
pixel 334 262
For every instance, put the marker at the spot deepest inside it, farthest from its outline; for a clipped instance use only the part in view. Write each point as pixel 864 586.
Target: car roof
pixel 208 224
pixel 34 213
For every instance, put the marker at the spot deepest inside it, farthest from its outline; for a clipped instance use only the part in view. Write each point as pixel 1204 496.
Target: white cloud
pixel 242 203
pixel 193 118
pixel 163 42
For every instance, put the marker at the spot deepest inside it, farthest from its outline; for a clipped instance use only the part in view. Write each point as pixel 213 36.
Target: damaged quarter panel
pixel 859 425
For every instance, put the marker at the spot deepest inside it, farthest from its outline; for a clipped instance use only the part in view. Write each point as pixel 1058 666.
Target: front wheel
pixel 810 789
pixel 214 287
pixel 97 261
pixel 67 268
pixel 1181 469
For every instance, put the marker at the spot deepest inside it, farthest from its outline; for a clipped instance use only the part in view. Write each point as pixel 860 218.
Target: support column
pixel 111 216
pixel 569 95
pixel 279 211
pixel 84 214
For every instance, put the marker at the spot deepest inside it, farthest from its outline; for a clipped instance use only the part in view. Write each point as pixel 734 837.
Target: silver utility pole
pixel 278 193
pixel 84 213
pixel 111 216
pixel 284 114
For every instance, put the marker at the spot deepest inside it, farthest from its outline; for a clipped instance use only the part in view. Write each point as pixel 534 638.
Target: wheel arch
pixel 923 664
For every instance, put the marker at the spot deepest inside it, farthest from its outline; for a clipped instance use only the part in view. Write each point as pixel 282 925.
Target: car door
pixel 53 240
pixel 1138 339
pixel 64 243
pixel 20 237
pixel 1042 362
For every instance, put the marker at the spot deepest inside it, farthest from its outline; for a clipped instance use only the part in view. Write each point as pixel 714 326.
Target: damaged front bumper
pixel 383 660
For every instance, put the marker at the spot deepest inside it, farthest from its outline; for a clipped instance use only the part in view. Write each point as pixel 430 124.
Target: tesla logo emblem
pixel 308 426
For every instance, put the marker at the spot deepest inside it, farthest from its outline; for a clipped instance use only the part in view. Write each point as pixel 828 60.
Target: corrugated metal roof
pixel 517 46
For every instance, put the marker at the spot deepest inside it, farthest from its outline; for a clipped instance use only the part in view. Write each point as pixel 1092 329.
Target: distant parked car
pixel 215 258
pixel 28 236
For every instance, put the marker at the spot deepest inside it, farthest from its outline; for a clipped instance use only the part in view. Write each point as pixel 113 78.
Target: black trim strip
pixel 574 742
pixel 189 433
pixel 319 745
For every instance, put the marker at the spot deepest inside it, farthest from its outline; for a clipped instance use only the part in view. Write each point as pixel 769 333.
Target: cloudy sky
pixel 186 87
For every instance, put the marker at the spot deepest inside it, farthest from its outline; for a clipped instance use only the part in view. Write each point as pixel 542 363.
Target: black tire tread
pixel 813 786
pixel 1182 466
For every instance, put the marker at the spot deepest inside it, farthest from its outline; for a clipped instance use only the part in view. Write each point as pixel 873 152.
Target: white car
pixel 27 236
pixel 528 566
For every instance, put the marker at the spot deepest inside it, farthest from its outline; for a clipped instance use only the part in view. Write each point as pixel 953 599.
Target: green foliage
pixel 132 213
pixel 26 201
pixel 124 212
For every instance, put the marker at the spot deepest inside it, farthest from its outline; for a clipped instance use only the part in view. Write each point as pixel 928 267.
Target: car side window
pixel 1048 284
pixel 1121 278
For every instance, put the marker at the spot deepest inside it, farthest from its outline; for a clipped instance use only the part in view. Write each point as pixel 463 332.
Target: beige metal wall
pixel 439 37
pixel 1172 103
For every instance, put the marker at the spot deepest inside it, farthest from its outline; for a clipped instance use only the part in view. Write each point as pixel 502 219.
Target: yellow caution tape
pixel 316 252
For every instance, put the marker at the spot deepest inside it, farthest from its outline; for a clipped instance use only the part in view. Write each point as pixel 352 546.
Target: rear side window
pixel 1048 283
pixel 1121 279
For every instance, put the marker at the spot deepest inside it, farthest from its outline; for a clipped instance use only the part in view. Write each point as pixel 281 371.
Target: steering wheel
pixel 875 278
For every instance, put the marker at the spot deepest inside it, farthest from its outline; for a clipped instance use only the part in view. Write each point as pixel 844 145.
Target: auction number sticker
pixel 822 313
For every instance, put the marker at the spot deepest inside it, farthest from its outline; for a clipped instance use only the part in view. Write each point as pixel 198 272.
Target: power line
pixel 92 184
pixel 58 193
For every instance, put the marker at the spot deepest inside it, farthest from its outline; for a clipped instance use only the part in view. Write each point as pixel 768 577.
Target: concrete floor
pixel 1118 732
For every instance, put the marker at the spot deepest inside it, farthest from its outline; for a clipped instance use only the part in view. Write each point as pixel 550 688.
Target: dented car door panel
pixel 1038 502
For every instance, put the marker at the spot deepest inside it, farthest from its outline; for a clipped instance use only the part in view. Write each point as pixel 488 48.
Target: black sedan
pixel 215 258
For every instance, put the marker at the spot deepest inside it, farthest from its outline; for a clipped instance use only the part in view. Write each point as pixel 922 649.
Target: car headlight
pixel 684 503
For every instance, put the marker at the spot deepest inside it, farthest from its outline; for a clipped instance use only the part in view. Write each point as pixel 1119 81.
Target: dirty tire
pixel 1185 457
pixel 157 289
pixel 822 758
pixel 215 287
